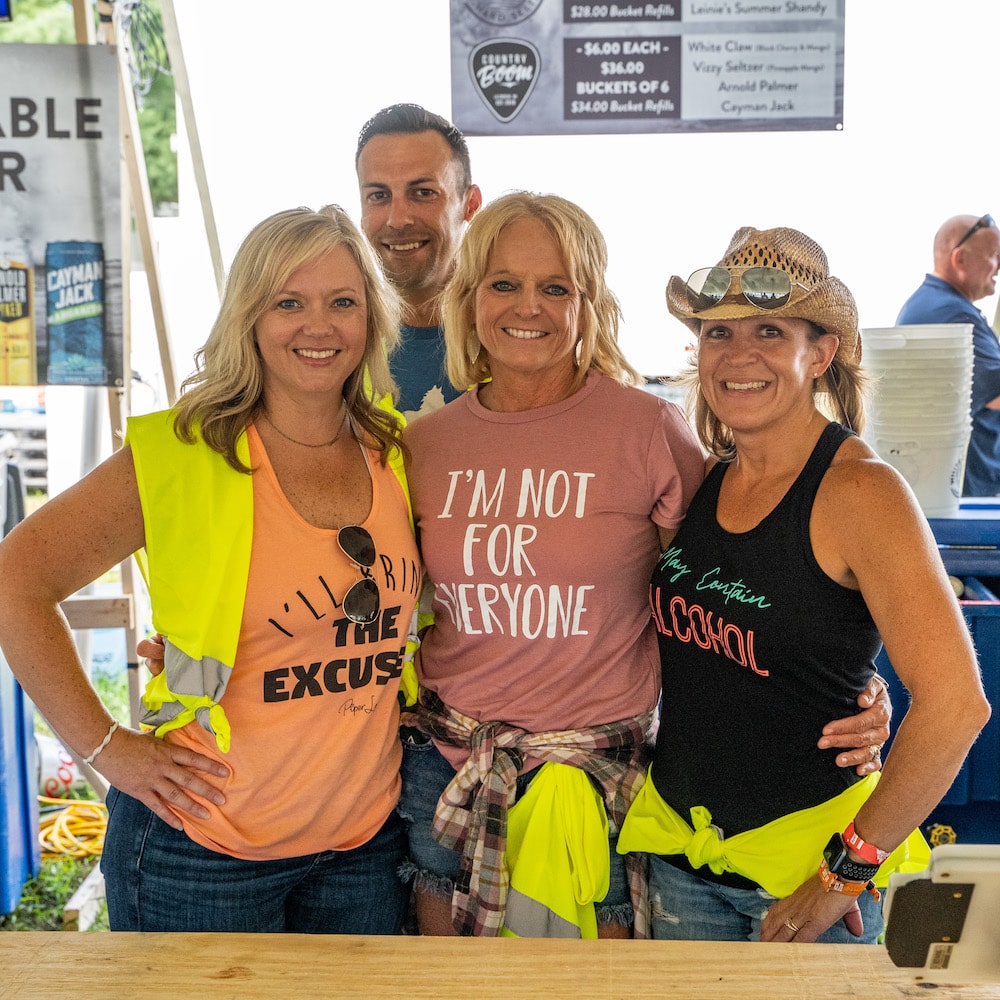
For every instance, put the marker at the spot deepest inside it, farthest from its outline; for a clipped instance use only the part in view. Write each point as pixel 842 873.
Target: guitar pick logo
pixel 504 72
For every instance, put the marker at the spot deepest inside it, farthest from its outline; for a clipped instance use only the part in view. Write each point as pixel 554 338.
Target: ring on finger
pixel 791 925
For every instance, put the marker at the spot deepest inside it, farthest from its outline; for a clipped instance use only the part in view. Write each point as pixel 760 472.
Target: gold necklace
pixel 305 444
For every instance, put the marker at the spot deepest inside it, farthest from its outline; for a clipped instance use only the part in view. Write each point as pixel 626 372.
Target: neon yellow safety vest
pixel 198 516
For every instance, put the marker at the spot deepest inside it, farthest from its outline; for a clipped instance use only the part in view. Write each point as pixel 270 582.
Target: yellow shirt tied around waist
pixel 778 856
pixel 557 856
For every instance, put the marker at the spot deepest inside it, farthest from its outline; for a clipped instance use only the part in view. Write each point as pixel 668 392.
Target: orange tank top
pixel 314 761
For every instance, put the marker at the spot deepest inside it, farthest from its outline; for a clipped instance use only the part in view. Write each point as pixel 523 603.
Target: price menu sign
pixel 621 77
pixel 532 67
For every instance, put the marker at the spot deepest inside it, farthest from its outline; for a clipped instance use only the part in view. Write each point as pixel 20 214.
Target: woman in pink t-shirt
pixel 542 498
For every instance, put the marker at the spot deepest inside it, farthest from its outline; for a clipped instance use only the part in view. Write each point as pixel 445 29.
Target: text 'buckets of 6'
pixel 920 421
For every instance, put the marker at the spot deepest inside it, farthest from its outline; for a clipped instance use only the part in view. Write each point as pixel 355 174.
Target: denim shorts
pixel 684 907
pixel 426 773
pixel 158 879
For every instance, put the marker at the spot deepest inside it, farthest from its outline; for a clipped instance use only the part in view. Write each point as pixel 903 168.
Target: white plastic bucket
pixel 920 372
pixel 933 465
pixel 919 414
pixel 928 372
pixel 957 400
pixel 929 419
pixel 929 416
pixel 947 394
pixel 918 336
pixel 923 435
pixel 952 355
pixel 933 378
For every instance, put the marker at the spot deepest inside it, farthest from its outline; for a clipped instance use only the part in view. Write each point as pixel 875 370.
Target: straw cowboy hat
pixel 816 295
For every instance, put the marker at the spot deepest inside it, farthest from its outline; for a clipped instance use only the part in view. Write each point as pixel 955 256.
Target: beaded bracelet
pixel 104 743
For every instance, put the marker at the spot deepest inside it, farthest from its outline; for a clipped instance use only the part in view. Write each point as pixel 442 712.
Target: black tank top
pixel 759 650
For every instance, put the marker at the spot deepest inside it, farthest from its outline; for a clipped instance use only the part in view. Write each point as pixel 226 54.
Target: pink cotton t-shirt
pixel 312 702
pixel 538 530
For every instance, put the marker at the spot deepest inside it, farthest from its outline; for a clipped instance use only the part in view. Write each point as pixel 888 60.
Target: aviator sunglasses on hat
pixel 763 287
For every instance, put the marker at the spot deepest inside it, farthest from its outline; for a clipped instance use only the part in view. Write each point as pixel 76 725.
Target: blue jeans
pixel 426 773
pixel 684 907
pixel 158 879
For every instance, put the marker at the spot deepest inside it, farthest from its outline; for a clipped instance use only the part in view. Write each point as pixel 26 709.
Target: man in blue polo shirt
pixel 966 262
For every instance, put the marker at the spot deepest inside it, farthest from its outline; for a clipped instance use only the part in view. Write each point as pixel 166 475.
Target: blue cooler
pixel 970 548
pixel 20 855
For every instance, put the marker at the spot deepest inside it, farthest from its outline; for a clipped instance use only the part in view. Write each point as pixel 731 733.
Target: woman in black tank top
pixel 799 555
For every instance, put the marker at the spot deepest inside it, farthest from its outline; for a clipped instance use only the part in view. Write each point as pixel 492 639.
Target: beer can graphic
pixel 17 321
pixel 74 288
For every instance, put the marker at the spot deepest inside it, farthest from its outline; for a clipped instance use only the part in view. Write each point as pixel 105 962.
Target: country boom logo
pixel 504 72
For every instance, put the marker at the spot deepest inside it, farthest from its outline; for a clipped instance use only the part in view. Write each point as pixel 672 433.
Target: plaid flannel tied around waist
pixel 471 815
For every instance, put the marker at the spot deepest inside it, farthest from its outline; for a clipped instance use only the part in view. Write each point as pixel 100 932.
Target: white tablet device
pixel 944 923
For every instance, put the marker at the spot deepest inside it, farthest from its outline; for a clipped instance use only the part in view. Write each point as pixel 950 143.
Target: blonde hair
pixel 585 254
pixel 839 393
pixel 225 392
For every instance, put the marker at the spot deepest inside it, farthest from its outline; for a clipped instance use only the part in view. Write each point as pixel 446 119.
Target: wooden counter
pixel 109 966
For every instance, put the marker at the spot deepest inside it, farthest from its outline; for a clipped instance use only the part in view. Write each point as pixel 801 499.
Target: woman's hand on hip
pixel 808 912
pixel 862 735
pixel 160 774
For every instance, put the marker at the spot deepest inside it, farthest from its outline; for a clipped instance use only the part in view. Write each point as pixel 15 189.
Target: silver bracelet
pixel 104 743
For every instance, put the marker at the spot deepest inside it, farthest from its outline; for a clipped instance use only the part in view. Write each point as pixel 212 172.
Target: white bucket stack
pixel 919 419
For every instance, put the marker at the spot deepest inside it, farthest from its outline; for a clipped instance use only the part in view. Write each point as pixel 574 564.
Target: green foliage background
pixel 39 21
pixel 51 21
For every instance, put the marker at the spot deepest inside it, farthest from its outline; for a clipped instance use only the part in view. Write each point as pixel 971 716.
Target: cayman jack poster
pixel 60 216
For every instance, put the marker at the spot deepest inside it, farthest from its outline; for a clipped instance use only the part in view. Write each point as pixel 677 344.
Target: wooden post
pixel 83 22
pixel 142 206
pixel 182 86
pixel 84 905
pixel 136 189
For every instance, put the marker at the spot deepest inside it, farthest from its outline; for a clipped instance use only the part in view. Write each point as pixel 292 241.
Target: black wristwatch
pixel 838 861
